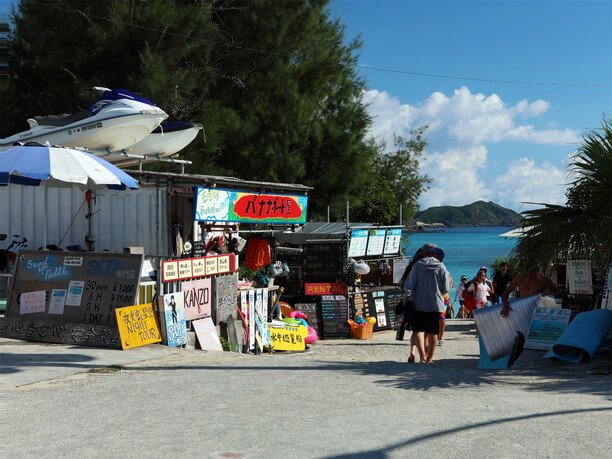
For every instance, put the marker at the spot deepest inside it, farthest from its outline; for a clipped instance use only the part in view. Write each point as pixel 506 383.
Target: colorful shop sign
pixel 288 338
pixel 226 205
pixel 137 326
pixel 324 288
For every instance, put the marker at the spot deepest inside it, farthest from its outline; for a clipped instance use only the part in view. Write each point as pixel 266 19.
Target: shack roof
pixel 148 178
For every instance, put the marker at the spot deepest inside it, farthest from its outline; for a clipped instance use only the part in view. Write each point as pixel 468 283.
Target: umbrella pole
pixel 89 239
pixel 45 226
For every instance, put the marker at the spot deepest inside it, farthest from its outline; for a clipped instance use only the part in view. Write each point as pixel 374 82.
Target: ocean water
pixel 465 249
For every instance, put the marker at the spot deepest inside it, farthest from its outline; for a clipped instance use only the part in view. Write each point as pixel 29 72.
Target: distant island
pixel 478 213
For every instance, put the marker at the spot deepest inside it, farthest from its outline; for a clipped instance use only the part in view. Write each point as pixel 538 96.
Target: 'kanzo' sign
pixel 197 298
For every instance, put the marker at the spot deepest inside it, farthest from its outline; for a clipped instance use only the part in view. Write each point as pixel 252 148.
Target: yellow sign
pixel 137 326
pixel 289 338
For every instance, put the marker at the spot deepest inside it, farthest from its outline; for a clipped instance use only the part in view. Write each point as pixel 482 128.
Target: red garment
pixel 258 253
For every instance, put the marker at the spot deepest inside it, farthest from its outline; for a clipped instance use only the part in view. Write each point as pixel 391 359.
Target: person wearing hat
pixel 426 285
pixel 459 297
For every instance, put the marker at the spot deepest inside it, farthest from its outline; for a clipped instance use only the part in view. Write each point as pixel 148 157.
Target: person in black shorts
pixel 426 285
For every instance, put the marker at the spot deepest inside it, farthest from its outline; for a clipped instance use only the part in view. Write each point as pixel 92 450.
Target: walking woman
pixel 425 286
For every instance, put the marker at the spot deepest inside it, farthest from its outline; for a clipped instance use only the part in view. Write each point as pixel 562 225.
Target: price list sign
pixel 393 241
pixel 376 242
pixel 358 244
pixel 80 291
pixel 334 315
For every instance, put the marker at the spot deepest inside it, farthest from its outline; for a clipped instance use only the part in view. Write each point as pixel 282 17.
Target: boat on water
pixel 166 140
pixel 115 122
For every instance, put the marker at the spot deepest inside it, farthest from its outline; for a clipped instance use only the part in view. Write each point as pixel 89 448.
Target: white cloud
pixel 526 182
pixel 457 177
pixel 464 127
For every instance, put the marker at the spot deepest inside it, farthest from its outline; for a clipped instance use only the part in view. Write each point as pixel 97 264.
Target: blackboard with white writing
pixel 81 288
pixel 334 316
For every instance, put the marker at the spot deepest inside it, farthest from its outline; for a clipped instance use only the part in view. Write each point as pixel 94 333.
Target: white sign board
pixel 579 277
pixel 358 244
pixel 547 325
pixel 376 242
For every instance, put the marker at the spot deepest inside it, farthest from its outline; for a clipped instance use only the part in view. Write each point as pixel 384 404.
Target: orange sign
pixel 324 288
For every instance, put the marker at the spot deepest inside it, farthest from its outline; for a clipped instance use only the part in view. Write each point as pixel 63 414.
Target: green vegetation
pixel 581 228
pixel 273 83
pixel 479 213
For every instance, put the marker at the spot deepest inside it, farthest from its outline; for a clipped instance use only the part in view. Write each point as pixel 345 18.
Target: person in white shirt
pixel 480 289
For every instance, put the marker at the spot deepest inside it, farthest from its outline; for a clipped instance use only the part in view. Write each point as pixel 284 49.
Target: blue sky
pixel 505 142
pixel 509 143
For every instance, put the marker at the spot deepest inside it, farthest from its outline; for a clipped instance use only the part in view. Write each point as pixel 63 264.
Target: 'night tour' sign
pixel 223 205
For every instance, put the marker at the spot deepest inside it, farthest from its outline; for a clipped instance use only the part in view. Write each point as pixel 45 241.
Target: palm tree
pixel 583 227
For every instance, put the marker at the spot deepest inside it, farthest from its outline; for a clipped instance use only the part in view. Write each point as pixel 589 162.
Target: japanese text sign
pixel 226 205
pixel 288 338
pixel 137 326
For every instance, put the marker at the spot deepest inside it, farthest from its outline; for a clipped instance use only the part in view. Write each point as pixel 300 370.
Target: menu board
pixel 323 261
pixel 334 316
pixel 312 311
pixel 376 242
pixel 79 290
pixel 358 243
pixel 360 304
pixel 579 277
pixel 393 241
pixel 392 297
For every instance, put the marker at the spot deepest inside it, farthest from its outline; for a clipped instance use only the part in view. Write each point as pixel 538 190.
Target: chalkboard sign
pixel 198 249
pixel 73 288
pixel 334 316
pixel 392 297
pixel 313 313
pixel 323 261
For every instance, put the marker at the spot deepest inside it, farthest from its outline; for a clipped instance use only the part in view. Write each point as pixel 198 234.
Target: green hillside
pixel 479 213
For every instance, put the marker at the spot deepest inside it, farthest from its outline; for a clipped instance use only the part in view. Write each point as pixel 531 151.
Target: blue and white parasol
pixel 61 167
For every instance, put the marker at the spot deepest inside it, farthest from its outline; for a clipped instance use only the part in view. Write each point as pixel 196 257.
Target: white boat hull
pixel 158 145
pixel 110 134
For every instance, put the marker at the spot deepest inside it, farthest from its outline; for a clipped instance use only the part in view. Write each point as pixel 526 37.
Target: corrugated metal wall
pixel 122 218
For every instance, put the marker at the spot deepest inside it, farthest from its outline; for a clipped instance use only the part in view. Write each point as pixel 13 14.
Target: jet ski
pixel 167 139
pixel 118 120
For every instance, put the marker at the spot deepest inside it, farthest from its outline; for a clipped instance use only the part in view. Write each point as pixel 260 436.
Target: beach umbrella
pixel 36 164
pixel 33 165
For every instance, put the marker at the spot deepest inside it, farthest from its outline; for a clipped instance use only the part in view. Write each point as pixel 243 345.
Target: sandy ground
pixel 342 398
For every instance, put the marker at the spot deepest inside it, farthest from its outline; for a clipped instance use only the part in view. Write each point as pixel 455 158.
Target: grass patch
pixel 111 369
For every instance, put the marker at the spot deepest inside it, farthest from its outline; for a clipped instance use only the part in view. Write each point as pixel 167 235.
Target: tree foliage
pixel 273 83
pixel 581 228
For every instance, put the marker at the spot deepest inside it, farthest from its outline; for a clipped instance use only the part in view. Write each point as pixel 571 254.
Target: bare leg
pixel 430 339
pixel 419 340
pixel 412 353
pixel 441 327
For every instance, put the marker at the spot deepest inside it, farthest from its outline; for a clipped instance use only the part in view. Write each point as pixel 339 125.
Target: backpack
pixel 469 302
